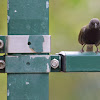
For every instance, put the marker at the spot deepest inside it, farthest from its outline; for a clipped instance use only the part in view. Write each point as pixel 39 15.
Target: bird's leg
pixel 82 50
pixel 97 51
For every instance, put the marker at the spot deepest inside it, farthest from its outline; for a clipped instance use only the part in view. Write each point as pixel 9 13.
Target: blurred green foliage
pixel 3 86
pixel 3 17
pixel 74 86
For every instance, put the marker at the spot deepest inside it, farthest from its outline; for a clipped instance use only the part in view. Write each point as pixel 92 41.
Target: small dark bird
pixel 90 34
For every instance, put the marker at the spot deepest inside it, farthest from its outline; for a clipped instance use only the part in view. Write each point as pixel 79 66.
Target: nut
pixel 2 64
pixel 54 63
pixel 1 44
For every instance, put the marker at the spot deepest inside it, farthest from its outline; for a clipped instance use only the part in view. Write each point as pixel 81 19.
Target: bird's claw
pixel 81 50
pixel 97 52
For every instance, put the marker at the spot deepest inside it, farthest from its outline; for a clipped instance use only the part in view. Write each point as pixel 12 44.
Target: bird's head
pixel 94 23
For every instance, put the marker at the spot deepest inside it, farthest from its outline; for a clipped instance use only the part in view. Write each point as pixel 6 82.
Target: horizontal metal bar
pixel 28 43
pixel 28 64
pixel 80 62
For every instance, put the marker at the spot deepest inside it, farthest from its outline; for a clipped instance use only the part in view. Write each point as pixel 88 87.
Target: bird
pixel 90 34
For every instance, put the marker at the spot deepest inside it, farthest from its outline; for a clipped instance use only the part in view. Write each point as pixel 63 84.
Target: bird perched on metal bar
pixel 90 34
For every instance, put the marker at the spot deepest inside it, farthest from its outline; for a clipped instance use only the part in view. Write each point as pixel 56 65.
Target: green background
pixel 66 18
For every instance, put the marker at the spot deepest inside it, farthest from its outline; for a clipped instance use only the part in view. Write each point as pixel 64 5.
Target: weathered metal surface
pixel 28 43
pixel 57 57
pixel 31 81
pixel 28 17
pixel 2 44
pixel 28 87
pixel 78 62
pixel 28 64
pixel 3 86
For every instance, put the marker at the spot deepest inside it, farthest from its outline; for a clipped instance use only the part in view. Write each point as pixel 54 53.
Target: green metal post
pixel 28 46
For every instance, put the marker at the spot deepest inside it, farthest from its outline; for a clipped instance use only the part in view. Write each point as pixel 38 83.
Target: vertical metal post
pixel 28 47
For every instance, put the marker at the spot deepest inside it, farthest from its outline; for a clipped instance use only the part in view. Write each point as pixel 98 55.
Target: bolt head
pixel 54 63
pixel 2 64
pixel 1 44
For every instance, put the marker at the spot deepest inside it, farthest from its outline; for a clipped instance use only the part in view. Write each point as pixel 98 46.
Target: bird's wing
pixel 80 37
pixel 97 44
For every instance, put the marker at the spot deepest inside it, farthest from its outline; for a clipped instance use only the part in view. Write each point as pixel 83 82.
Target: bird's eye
pixel 92 23
pixel 97 23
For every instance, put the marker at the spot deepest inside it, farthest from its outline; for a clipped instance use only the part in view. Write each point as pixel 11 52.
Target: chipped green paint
pixel 28 17
pixel 80 62
pixel 28 43
pixel 28 64
pixel 28 87
pixel 3 38
pixel 36 43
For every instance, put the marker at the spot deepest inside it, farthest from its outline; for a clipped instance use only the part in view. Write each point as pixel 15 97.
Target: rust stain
pixel 32 50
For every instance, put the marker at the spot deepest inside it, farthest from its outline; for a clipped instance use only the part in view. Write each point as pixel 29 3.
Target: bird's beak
pixel 95 25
